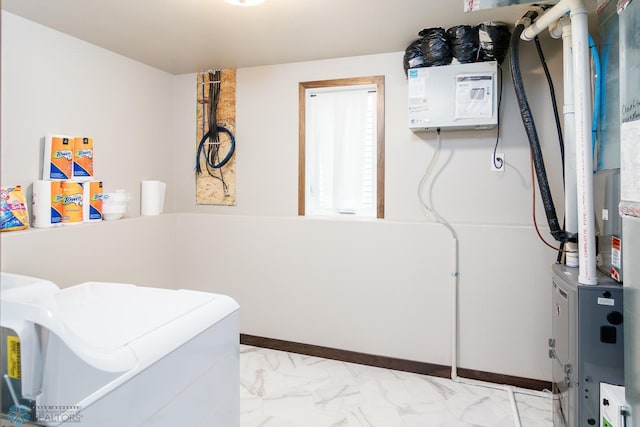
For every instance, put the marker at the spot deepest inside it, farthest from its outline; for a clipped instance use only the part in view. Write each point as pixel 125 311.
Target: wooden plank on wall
pixel 219 186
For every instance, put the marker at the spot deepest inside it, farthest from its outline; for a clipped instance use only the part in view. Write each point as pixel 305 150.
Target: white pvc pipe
pixel 563 29
pixel 549 18
pixel 454 320
pixel 514 405
pixel 454 300
pixel 584 157
pixel 454 335
pixel 582 105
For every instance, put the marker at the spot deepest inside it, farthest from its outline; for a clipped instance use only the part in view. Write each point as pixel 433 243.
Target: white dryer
pixel 109 354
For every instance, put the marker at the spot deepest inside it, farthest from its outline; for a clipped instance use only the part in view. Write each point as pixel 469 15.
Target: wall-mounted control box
pixel 457 96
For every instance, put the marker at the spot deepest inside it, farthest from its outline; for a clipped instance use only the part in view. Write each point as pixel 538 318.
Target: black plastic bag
pixel 435 47
pixel 464 43
pixel 494 41
pixel 413 57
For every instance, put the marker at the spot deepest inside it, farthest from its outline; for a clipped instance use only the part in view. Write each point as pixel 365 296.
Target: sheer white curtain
pixel 339 151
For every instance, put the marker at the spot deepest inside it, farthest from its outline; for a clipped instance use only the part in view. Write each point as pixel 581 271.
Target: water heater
pixel 457 96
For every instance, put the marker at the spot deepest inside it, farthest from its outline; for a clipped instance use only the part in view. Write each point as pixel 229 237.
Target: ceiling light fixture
pixel 245 2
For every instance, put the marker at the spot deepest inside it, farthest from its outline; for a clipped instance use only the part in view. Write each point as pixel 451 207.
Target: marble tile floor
pixel 279 389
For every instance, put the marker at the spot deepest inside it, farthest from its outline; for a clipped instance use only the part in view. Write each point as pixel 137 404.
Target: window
pixel 341 158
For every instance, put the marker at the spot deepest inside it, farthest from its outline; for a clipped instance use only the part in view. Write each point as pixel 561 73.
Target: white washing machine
pixel 110 354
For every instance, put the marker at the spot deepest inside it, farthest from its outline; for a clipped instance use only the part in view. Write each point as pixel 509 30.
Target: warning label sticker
pixel 13 357
pixel 616 252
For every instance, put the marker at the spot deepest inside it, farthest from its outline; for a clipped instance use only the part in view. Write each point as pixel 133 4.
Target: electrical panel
pixel 457 96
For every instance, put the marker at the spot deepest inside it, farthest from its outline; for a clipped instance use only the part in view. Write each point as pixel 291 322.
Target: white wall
pixel 54 83
pixel 136 250
pixel 467 192
pixel 378 286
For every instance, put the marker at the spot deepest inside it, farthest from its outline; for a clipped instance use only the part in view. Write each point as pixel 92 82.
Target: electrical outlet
pixel 497 164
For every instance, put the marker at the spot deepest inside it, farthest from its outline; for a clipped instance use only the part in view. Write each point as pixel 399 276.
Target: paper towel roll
pixel 57 159
pixel 92 201
pixel 47 204
pixel 82 158
pixel 152 197
pixel 72 198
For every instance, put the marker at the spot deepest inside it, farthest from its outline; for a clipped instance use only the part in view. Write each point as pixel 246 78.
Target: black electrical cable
pixel 561 253
pixel 533 211
pixel 212 150
pixel 209 146
pixel 203 142
pixel 498 163
pixel 214 139
pixel 532 134
pixel 554 102
pixel 556 116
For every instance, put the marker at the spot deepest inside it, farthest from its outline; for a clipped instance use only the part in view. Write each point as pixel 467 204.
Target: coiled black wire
pixel 209 146
pixel 210 160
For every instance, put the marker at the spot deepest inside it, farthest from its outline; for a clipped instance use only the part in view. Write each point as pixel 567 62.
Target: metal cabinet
pixel 587 345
